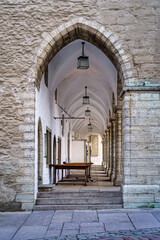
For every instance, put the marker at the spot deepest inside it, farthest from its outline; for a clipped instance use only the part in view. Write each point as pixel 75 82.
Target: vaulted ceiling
pixel 100 79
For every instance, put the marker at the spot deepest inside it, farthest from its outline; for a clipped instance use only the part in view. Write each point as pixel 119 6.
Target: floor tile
pixel 85 216
pixel 144 220
pixel 62 216
pixel 6 233
pixel 39 218
pixel 71 226
pixel 69 232
pixel 13 219
pixel 29 232
pixel 156 214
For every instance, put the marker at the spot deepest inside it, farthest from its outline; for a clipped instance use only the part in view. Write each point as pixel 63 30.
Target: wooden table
pixel 85 166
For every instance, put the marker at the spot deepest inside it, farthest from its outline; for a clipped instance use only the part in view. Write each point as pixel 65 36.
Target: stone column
pixel 141 146
pixel 118 148
pixel 109 150
pixel 113 149
pixel 103 152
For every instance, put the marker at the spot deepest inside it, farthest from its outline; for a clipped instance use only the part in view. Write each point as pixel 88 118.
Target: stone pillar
pixel 103 153
pixel 109 150
pixel 141 146
pixel 118 148
pixel 113 149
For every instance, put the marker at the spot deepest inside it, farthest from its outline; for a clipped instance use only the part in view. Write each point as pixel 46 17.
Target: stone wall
pixel 141 148
pixel 22 25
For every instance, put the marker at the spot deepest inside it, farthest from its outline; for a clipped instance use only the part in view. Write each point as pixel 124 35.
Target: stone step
pixel 78 201
pixel 76 207
pixel 105 194
pixel 48 198
pixel 92 175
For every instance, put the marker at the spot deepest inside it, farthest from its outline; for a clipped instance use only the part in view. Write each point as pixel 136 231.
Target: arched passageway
pixel 125 112
pixel 61 88
pixel 66 86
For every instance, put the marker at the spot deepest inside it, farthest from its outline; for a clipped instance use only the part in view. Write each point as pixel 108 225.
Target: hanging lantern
pixel 86 98
pixel 88 112
pixel 90 126
pixel 83 61
pixel 90 129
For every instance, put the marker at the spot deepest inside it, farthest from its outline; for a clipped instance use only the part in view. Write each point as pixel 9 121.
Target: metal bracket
pixel 69 118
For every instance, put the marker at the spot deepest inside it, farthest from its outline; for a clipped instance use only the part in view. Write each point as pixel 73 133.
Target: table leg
pixel 68 174
pixel 89 172
pixel 85 176
pixel 54 175
pixel 62 175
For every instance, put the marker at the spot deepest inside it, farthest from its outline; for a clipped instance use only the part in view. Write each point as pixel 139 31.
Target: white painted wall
pixel 97 160
pixel 46 109
pixel 78 151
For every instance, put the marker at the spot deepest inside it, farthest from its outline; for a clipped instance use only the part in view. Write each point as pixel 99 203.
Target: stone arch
pixel 40 153
pixel 79 28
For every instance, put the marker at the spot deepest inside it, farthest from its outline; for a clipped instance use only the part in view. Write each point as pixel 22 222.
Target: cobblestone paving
pixel 111 224
pixel 142 234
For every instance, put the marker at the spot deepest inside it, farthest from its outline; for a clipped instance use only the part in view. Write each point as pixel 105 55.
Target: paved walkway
pixel 76 182
pixel 118 224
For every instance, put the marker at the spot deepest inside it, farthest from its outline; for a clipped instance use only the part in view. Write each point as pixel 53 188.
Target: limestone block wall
pixel 23 24
pixel 141 148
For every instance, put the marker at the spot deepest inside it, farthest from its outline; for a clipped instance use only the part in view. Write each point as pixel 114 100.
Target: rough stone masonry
pixel 136 25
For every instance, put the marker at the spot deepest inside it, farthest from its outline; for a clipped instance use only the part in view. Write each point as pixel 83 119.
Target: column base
pixel 112 177
pixel 141 196
pixel 104 165
pixel 117 181
pixel 106 171
pixel 109 173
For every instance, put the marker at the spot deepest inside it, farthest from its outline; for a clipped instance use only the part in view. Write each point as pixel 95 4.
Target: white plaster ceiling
pixel 100 79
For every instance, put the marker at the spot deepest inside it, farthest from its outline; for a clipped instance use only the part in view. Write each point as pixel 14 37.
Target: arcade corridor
pixel 99 181
pixel 72 194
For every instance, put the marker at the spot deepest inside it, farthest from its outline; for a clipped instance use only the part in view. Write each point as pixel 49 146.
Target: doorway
pixel 54 150
pixel 40 153
pixel 49 153
pixel 59 150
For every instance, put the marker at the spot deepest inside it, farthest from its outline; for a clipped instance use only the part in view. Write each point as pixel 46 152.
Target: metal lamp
pixel 87 112
pixel 86 99
pixel 90 126
pixel 90 129
pixel 83 61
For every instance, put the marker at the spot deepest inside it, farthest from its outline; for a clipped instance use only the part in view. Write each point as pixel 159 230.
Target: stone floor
pixel 108 224
pixel 100 181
